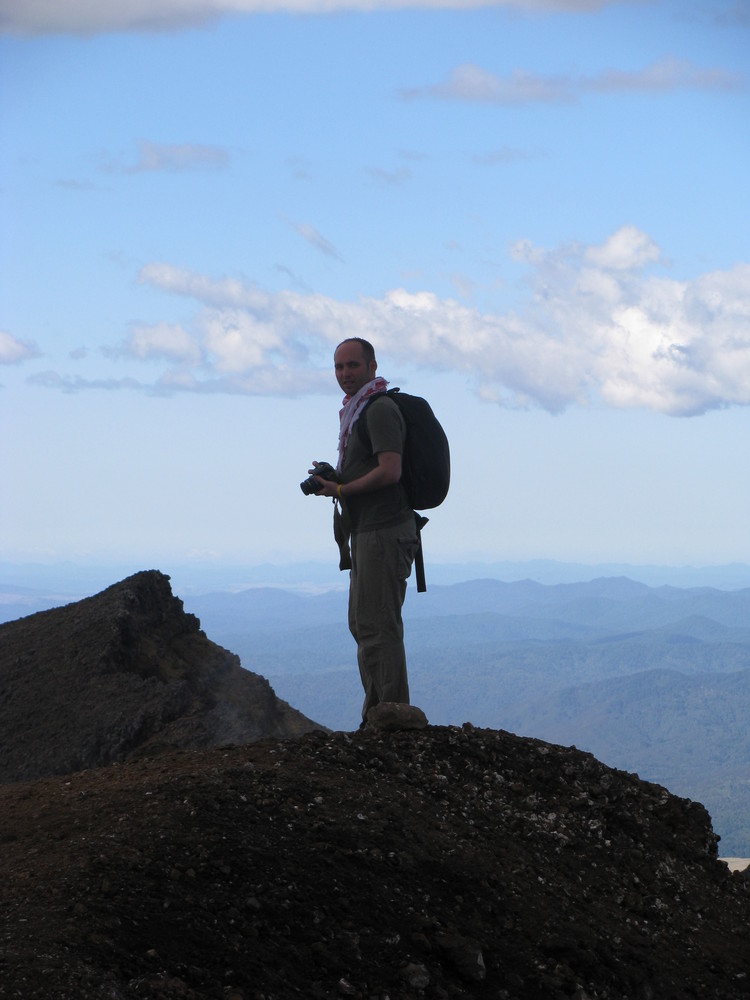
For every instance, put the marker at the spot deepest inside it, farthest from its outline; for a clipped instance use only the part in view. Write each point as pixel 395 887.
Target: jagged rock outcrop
pixel 123 673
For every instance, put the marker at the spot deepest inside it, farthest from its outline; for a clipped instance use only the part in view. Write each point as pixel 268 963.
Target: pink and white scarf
pixel 353 406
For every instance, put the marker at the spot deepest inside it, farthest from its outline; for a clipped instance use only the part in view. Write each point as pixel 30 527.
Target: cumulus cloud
pixel 626 250
pixel 164 341
pixel 88 17
pixel 602 322
pixel 599 323
pixel 13 351
pixel 474 84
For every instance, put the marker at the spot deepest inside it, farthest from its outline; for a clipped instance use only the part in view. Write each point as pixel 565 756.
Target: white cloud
pixel 391 178
pixel 13 350
pixel 264 381
pixel 504 155
pixel 164 340
pixel 226 292
pixel 240 342
pixel 179 156
pixel 666 74
pixel 88 17
pixel 309 233
pixel 625 250
pixel 75 383
pixel 599 322
pixel 172 157
pixel 472 83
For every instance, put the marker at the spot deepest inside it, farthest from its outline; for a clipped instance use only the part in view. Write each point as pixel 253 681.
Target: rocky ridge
pixel 385 864
pixel 425 864
pixel 123 673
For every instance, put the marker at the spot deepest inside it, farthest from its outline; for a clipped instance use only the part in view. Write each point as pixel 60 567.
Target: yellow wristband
pixel 338 491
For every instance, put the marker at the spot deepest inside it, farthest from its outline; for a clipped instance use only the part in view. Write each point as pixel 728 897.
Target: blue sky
pixel 538 213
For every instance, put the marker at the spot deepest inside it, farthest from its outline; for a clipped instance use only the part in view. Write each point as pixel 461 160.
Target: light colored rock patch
pixel 736 864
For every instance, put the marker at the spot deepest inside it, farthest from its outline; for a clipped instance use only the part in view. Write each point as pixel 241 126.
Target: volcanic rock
pixel 411 864
pixel 123 673
pixel 422 865
pixel 392 716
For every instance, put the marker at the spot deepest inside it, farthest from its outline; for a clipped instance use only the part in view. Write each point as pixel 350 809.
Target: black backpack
pixel 426 471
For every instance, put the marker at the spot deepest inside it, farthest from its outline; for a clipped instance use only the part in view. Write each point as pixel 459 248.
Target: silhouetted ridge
pixel 121 673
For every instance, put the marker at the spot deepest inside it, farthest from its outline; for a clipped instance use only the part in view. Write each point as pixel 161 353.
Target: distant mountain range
pixel 36 586
pixel 654 680
pixel 651 679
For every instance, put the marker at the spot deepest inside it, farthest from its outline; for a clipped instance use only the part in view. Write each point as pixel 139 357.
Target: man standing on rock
pixel 375 525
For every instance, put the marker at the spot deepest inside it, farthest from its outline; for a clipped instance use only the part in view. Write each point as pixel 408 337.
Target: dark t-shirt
pixel 387 432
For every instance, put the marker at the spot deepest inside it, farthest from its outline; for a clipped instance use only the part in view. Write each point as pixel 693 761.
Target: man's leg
pixel 381 564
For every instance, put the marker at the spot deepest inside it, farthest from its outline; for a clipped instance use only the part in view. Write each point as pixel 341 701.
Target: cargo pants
pixel 381 564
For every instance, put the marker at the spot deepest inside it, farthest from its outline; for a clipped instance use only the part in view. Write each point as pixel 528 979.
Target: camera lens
pixel 311 485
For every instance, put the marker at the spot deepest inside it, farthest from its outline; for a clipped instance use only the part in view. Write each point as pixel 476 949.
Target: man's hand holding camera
pixel 323 481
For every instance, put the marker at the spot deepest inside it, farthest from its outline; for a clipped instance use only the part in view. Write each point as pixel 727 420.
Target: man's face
pixel 352 371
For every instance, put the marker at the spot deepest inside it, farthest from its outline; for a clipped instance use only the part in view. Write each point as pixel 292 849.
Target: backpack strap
pixel 362 430
pixel 419 557
pixel 419 519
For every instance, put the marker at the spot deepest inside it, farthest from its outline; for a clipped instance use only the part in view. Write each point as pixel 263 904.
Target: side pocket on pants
pixel 407 549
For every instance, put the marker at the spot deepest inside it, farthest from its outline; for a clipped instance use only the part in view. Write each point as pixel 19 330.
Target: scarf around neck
pixel 350 411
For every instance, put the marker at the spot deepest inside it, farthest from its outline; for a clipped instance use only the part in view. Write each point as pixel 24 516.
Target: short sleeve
pixel 385 426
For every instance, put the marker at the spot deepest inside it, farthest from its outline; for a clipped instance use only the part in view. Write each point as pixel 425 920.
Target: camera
pixel 322 469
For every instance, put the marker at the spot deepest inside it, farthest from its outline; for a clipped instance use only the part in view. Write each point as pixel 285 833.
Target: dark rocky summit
pixel 436 862
pixel 123 673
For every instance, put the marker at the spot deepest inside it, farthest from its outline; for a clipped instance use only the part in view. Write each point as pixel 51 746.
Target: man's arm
pixel 385 473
